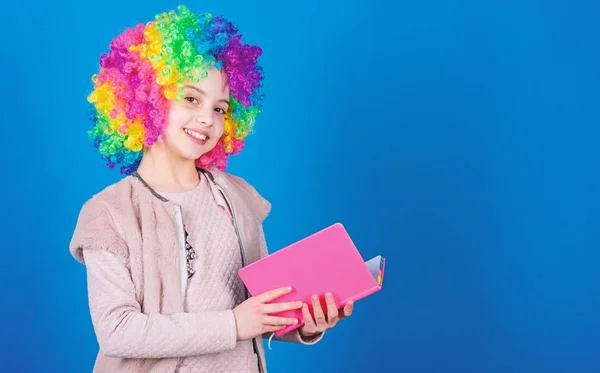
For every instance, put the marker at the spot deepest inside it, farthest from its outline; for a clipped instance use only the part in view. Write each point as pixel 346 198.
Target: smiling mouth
pixel 196 135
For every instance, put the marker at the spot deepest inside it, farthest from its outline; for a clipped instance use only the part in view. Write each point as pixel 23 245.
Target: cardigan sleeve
pixel 259 205
pixel 122 328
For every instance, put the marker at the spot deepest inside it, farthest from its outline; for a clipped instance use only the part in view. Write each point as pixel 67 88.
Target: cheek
pixel 177 118
pixel 171 129
pixel 219 128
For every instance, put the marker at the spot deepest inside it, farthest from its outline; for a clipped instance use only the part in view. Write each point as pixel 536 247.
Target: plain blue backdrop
pixel 456 137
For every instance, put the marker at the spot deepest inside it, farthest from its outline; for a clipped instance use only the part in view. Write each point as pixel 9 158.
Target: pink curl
pixel 131 36
pixel 218 156
pixel 132 80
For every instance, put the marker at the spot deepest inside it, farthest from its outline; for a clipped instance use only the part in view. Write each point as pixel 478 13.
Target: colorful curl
pixel 145 69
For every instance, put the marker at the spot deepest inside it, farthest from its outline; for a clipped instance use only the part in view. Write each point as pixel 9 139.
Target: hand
pixel 322 322
pixel 252 317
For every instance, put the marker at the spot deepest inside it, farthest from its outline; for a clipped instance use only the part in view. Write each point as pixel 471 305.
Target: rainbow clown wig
pixel 144 71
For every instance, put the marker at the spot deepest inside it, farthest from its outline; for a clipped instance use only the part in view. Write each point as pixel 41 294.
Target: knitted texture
pixel 215 285
pixel 127 333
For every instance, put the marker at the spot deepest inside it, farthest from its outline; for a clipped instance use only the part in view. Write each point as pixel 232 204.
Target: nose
pixel 205 119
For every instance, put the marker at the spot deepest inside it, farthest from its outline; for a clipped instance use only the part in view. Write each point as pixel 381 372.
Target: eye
pixel 220 110
pixel 192 100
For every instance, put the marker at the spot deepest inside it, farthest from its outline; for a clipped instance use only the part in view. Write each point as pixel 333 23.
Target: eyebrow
pixel 204 93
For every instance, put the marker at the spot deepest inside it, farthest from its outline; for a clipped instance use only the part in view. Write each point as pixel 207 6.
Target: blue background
pixel 457 138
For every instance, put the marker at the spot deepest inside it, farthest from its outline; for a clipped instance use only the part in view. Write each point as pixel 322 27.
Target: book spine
pixel 362 295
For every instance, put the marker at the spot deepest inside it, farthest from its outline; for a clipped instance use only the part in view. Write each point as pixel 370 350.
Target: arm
pixel 124 331
pixel 121 327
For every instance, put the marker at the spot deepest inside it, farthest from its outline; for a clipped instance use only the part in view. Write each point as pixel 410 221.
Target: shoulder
pixel 111 198
pixel 257 202
pixel 96 223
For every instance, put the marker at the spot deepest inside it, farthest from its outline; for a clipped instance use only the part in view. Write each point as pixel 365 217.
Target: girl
pixel 173 99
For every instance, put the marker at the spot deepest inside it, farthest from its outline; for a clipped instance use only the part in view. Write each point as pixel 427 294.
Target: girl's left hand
pixel 322 322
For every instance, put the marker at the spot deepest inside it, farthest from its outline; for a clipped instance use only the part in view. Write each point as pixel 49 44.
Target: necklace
pixel 190 254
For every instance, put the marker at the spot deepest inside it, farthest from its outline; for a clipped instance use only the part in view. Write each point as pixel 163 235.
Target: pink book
pixel 326 261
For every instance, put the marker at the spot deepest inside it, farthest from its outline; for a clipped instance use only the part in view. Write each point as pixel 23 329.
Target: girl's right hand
pixel 252 317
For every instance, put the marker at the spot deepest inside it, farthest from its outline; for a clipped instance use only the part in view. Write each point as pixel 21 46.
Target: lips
pixel 199 137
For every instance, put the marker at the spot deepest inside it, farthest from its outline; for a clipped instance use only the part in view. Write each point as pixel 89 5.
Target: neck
pixel 166 172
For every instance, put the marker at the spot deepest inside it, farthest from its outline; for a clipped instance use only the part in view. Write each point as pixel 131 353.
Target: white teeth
pixel 195 134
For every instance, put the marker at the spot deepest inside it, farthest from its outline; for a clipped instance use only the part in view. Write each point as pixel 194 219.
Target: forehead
pixel 216 83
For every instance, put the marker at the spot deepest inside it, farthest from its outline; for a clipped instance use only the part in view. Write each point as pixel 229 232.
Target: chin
pixel 196 153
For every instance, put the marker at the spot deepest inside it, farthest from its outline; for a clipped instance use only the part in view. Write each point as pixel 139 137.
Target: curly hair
pixel 145 69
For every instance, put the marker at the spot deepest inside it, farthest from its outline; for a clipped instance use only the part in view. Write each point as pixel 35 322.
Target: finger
pixel 274 320
pixel 309 323
pixel 273 294
pixel 349 308
pixel 280 307
pixel 273 328
pixel 318 311
pixel 347 311
pixel 332 311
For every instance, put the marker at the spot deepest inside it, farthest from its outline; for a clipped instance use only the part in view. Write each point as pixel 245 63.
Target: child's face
pixel 195 124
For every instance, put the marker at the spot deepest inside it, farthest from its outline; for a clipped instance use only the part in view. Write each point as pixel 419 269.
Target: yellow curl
pixel 151 47
pixel 135 136
pixel 104 99
pixel 229 130
pixel 151 50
